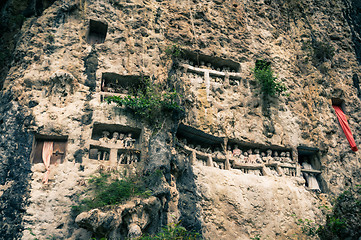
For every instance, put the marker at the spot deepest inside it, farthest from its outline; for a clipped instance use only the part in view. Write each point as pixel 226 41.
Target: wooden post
pixel 113 157
pixel 265 171
pixel 279 170
pixel 227 165
pixel 226 80
pixel 193 157
pixel 209 161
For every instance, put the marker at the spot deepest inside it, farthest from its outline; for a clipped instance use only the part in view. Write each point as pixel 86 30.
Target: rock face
pixel 217 178
pixel 264 206
pixel 15 148
pixel 127 221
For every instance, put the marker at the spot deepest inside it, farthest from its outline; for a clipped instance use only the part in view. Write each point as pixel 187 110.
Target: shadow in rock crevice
pixel 15 149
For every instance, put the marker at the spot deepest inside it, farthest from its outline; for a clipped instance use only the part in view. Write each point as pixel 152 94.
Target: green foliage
pixel 174 51
pixel 308 227
pixel 334 226
pixel 257 237
pixel 345 220
pixel 51 237
pixel 173 231
pixel 106 190
pixel 268 81
pixel 325 207
pixel 150 101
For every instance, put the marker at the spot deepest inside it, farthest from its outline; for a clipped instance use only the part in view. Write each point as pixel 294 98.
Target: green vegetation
pixel 345 220
pixel 51 237
pixel 150 101
pixel 267 79
pixel 308 227
pixel 332 229
pixel 173 231
pixel 257 237
pixel 175 51
pixel 110 189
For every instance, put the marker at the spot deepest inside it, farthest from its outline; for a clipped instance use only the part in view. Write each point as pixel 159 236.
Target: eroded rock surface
pixel 56 82
pixel 128 220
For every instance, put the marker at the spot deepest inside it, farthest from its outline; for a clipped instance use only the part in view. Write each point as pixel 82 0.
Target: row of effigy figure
pixel 115 88
pixel 255 156
pixel 120 139
pixel 209 66
pixel 250 156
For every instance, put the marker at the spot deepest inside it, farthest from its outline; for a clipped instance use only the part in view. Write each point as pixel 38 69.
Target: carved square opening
pixel 97 32
pixel 197 59
pixel 56 146
pixel 339 102
pixel 309 160
pixel 116 83
pixel 198 139
pixel 99 153
pixel 99 129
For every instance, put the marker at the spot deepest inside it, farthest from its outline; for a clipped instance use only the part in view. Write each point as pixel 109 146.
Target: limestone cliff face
pixel 68 53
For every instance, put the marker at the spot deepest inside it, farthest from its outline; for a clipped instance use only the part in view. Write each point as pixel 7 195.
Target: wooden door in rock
pixel 57 156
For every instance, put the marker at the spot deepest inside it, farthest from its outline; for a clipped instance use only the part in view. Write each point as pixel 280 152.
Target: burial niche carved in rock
pixel 45 146
pixel 117 144
pixel 97 32
pixel 310 167
pixel 49 150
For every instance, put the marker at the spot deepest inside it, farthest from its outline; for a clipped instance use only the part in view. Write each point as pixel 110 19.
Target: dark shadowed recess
pixel 188 199
pixel 91 65
pixel 15 148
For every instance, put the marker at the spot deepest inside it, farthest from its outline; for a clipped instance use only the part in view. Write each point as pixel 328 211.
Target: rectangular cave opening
pixel 309 160
pixel 216 63
pixel 339 102
pixel 116 83
pixel 97 32
pixel 198 140
pixel 43 146
pixel 99 153
pixel 43 4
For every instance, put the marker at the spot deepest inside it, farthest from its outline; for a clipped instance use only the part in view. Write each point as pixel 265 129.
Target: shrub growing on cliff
pixel 106 189
pixel 345 220
pixel 173 231
pixel 267 79
pixel 150 101
pixel 174 51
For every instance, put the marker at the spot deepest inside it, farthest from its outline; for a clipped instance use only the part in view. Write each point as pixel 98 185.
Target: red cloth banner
pixel 345 127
